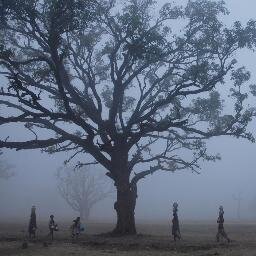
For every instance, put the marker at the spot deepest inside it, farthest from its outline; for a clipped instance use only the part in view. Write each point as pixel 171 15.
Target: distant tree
pixel 238 198
pixel 82 189
pixel 252 205
pixel 137 89
pixel 5 172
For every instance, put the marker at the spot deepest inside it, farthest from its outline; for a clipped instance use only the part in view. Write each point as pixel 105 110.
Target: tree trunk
pixel 126 198
pixel 125 206
pixel 84 214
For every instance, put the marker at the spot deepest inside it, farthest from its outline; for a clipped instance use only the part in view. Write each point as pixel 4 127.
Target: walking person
pixel 52 226
pixel 221 231
pixel 175 223
pixel 32 223
pixel 76 228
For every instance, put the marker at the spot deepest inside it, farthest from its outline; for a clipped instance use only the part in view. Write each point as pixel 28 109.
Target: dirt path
pixel 198 240
pixel 134 246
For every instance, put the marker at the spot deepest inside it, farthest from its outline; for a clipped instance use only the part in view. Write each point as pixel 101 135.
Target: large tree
pixel 137 88
pixel 82 189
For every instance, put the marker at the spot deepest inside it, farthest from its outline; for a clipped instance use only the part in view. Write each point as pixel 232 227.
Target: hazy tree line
pixel 114 83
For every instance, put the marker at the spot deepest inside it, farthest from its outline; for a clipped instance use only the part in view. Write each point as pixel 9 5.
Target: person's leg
pixel 224 235
pixel 173 234
pixel 218 236
pixel 178 233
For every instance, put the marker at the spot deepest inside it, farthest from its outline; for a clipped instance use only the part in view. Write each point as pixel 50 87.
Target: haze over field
pixel 198 195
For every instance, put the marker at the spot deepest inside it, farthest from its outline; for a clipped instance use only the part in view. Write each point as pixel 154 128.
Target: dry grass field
pixel 198 239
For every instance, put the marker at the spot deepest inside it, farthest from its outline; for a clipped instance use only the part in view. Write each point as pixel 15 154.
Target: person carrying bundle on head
pixel 175 223
pixel 221 232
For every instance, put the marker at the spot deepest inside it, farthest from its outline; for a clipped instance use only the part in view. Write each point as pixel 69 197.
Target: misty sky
pixel 198 195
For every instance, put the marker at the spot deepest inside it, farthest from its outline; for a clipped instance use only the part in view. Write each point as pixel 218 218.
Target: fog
pixel 199 196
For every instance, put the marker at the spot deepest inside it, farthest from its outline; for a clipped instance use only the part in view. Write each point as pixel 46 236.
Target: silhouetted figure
pixel 221 232
pixel 32 223
pixel 175 223
pixel 52 226
pixel 76 228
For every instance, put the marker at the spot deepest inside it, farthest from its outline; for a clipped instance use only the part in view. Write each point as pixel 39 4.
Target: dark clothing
pixel 221 231
pixel 175 227
pixel 52 226
pixel 76 228
pixel 32 225
pixel 220 221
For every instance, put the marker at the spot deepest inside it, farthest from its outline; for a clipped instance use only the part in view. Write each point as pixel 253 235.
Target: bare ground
pixel 198 240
